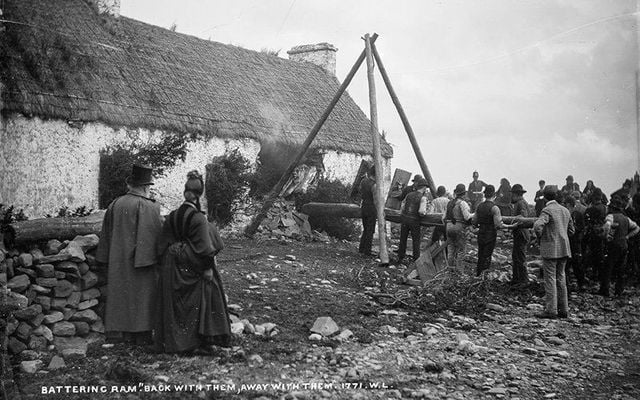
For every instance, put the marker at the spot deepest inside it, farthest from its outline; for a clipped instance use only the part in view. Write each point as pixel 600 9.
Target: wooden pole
pixel 273 194
pixel 638 120
pixel 405 122
pixel 377 156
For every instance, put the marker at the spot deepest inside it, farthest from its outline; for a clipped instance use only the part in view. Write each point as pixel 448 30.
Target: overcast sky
pixel 526 90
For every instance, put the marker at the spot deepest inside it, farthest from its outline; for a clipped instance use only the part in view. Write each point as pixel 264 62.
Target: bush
pixel 330 192
pixel 226 181
pixel 116 163
pixel 64 211
pixel 9 215
pixel 115 166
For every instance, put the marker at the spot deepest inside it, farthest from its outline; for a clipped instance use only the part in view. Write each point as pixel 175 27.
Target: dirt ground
pixel 478 340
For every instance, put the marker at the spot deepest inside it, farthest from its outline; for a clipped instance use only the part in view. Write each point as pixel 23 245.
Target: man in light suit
pixel 553 227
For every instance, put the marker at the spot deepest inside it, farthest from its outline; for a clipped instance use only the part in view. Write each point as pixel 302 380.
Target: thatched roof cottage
pixel 77 78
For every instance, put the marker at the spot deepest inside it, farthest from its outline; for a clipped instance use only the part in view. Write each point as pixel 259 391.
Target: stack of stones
pixel 61 292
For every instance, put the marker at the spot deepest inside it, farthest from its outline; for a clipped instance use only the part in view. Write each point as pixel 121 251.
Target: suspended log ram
pixel 348 210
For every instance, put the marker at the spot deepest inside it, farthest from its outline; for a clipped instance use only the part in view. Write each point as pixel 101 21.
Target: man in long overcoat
pixel 128 241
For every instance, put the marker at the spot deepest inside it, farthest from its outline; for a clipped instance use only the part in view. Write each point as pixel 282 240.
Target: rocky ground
pixel 462 338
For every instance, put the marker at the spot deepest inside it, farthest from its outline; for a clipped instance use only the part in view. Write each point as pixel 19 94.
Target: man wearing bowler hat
pixel 130 230
pixel 520 236
pixel 413 187
pixel 489 220
pixel 415 206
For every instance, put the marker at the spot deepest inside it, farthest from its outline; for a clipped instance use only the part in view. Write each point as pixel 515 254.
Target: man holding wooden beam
pixel 521 237
pixel 457 219
pixel 368 211
pixel 415 206
pixel 489 220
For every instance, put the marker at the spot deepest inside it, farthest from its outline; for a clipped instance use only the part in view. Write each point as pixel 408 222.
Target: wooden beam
pixel 348 210
pixel 345 210
pixel 60 228
pixel 272 195
pixel 377 155
pixel 405 122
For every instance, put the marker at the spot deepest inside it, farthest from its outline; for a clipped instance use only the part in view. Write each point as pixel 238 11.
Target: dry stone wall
pixel 58 292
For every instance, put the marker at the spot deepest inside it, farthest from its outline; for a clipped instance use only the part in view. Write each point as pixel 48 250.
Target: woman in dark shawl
pixel 503 197
pixel 588 190
pixel 192 312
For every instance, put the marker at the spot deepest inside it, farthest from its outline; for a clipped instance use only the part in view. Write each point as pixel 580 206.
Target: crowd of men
pixel 593 235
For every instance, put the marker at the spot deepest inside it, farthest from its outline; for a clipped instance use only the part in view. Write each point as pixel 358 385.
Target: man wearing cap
pixel 475 191
pixel 619 228
pixel 520 236
pixel 539 199
pixel 128 244
pixel 415 206
pixel 457 219
pixel 368 211
pixel 553 227
pixel 489 220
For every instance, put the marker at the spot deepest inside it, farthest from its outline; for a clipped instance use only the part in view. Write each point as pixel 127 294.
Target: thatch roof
pixel 60 59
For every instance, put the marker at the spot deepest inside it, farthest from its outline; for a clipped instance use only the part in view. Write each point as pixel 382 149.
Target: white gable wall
pixel 344 167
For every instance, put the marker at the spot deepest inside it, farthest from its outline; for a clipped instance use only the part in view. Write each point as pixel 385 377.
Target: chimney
pixel 108 7
pixel 321 54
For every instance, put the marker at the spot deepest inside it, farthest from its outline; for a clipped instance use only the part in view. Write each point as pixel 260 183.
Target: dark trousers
pixel 633 259
pixel 616 265
pixel 486 244
pixel 416 235
pixel 520 242
pixel 576 260
pixel 368 228
pixel 595 255
pixel 438 233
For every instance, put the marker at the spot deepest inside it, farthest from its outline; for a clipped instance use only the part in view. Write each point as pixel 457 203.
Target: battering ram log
pixel 348 210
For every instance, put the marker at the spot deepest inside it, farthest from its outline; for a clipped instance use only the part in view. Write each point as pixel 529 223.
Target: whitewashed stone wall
pixel 344 166
pixel 45 165
pixel 48 164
